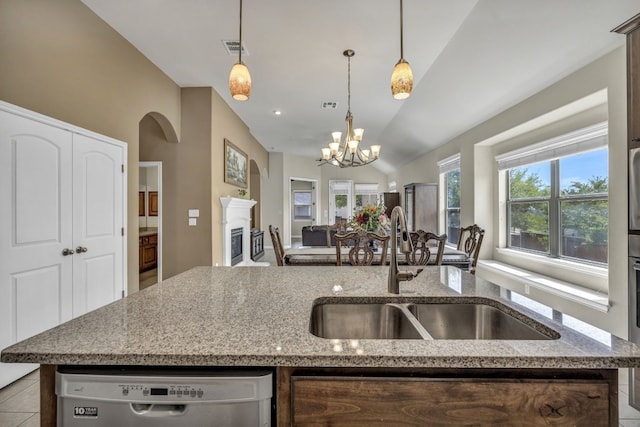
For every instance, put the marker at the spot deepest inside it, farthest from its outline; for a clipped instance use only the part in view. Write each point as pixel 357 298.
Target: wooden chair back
pixel 422 242
pixel 470 242
pixel 277 245
pixel 361 253
pixel 339 227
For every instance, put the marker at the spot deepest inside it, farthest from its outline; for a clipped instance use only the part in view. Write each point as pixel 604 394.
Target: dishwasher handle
pixel 157 410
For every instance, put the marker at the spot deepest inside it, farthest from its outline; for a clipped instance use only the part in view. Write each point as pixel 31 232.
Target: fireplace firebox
pixel 236 246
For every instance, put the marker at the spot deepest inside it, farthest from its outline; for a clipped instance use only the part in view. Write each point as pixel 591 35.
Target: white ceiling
pixel 471 59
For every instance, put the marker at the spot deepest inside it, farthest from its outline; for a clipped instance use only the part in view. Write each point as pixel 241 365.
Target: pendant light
pixel 239 78
pixel 402 77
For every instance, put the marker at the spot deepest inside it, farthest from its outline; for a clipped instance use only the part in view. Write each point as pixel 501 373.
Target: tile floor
pixel 20 401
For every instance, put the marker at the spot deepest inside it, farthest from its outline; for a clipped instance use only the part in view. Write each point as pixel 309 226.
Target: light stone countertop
pixel 259 316
pixel 147 231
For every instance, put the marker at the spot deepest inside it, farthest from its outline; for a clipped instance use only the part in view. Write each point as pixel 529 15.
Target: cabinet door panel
pixel 35 226
pixel 633 47
pixel 453 402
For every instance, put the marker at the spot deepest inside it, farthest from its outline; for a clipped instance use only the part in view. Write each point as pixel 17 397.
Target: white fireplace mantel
pixel 236 213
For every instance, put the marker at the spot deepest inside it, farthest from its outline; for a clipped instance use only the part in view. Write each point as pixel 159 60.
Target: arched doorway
pixel 154 130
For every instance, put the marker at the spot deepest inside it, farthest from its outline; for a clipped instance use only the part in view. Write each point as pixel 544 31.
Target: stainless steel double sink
pixel 424 320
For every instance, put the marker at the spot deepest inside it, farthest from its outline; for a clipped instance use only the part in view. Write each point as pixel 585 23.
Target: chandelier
pixel 348 153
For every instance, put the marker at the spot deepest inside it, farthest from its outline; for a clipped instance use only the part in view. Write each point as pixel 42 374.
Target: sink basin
pixel 427 321
pixel 472 322
pixel 361 321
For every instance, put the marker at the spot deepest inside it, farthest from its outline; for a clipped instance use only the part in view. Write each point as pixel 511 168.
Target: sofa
pixel 319 235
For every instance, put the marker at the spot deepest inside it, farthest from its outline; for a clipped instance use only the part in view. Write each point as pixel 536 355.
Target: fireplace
pixel 236 246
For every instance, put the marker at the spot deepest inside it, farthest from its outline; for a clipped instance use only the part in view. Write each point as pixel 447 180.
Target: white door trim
pixel 160 193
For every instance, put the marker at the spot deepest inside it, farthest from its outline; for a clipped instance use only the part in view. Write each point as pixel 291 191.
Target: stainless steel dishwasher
pixel 163 398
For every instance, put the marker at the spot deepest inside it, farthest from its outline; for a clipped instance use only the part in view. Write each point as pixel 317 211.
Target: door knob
pixel 81 249
pixel 67 251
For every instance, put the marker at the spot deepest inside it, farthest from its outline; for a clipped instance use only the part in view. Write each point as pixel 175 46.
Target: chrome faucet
pixel 395 276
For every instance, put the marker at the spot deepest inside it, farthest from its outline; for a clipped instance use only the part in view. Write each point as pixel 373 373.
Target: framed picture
pixel 235 165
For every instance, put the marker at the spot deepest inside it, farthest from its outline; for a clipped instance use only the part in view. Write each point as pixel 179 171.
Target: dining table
pixel 323 255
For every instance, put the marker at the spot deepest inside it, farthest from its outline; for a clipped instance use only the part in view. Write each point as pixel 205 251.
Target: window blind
pixel 587 139
pixel 449 164
pixel 366 188
pixel 340 187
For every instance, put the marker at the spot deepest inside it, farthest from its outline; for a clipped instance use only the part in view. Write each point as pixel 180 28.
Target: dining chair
pixel 422 242
pixel 340 226
pixel 362 252
pixel 277 245
pixel 470 242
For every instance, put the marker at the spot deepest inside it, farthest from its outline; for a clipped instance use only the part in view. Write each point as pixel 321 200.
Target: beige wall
pixel 185 169
pixel 283 167
pixel 226 124
pixel 59 59
pixel 273 205
pixel 529 122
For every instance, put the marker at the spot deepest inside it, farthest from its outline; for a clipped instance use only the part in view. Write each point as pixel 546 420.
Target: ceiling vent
pixel 329 105
pixel 232 47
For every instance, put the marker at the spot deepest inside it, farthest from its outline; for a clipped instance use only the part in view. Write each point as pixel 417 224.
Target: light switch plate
pixel 193 222
pixel 194 213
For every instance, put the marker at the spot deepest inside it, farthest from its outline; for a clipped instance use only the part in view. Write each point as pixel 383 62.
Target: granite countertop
pixel 259 316
pixel 150 231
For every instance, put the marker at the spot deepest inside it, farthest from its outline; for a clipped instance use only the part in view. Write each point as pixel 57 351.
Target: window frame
pixel 448 209
pixel 310 206
pixel 365 189
pixel 446 166
pixel 554 201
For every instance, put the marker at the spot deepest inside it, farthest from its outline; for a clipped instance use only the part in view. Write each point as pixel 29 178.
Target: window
pixel 450 172
pixel 302 205
pixel 366 194
pixel 559 206
pixel 340 203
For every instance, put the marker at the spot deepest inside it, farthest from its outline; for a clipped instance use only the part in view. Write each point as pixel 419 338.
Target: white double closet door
pixel 62 218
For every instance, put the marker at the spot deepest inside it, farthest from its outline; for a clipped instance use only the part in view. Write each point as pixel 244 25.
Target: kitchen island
pixel 259 317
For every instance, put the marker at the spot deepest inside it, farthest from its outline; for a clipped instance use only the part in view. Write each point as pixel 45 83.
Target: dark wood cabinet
pixel 257 244
pixel 390 200
pixel 421 206
pixel 631 29
pixel 141 207
pixel 541 397
pixel 148 252
pixel 153 203
pixel 454 401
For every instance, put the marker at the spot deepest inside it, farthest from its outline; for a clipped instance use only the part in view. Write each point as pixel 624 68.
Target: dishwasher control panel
pixel 173 391
pixel 162 389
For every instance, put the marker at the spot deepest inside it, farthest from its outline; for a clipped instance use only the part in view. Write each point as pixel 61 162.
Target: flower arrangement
pixel 370 218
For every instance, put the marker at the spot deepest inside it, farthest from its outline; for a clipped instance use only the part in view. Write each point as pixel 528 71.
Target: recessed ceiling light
pixel 277 112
